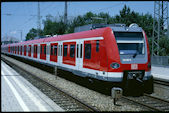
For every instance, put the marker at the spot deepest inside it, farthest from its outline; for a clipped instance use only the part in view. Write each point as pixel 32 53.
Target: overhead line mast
pixel 65 14
pixel 160 24
pixel 38 21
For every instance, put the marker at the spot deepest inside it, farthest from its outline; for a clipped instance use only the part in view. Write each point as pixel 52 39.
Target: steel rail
pixel 161 82
pixel 149 105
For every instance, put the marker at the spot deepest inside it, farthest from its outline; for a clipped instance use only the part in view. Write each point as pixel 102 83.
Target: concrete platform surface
pixel 160 72
pixel 17 94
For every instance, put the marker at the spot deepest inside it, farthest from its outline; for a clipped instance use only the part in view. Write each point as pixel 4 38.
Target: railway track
pixel 150 102
pixel 161 82
pixel 60 97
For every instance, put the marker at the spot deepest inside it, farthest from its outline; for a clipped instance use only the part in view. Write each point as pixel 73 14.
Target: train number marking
pixel 134 66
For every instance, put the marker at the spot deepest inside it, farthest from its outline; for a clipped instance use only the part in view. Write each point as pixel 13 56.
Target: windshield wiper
pixel 135 54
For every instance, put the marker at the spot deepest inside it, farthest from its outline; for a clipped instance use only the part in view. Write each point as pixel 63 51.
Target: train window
pixel 30 49
pixel 55 50
pixel 21 49
pixel 133 35
pixel 77 50
pixel 97 46
pixel 80 50
pixel 18 49
pixel 87 51
pixel 51 49
pixel 35 49
pixel 41 49
pixel 65 50
pixel 72 50
pixel 25 48
pixel 45 49
pixel 61 51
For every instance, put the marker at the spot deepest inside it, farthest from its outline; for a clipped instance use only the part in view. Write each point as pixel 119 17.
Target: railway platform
pixel 160 72
pixel 17 94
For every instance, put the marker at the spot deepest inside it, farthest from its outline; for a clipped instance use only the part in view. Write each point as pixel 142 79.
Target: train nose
pixel 133 84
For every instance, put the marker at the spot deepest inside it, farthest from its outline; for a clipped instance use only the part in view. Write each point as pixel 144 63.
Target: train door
pixel 21 50
pixel 35 51
pixel 79 54
pixel 54 52
pixel 29 50
pixel 43 51
pixel 60 52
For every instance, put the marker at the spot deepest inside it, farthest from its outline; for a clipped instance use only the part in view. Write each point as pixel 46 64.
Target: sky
pixel 17 17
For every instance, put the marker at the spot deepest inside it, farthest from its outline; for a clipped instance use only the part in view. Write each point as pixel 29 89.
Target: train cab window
pixel 87 51
pixel 55 50
pixel 45 49
pixel 97 46
pixel 72 51
pixel 51 49
pixel 65 50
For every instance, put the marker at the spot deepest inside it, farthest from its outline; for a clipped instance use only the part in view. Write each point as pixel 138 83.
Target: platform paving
pixel 160 72
pixel 17 94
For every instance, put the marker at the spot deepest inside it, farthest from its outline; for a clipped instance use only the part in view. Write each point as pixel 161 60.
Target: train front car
pixel 129 59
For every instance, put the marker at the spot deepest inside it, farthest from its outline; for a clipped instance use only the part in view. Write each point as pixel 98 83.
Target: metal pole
pixel 21 35
pixel 38 21
pixel 65 15
pixel 153 32
pixel 167 22
pixel 158 30
pixel 55 71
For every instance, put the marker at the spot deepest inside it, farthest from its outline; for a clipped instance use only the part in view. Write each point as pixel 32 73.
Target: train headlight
pixel 115 65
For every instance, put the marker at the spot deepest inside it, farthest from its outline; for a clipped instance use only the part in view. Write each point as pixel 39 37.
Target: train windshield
pixel 130 43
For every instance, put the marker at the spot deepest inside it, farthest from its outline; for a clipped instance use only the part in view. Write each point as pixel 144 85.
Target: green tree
pixel 31 34
pixel 52 27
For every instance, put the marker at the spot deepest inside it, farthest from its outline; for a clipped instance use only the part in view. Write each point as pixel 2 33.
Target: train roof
pixel 72 36
pixel 84 34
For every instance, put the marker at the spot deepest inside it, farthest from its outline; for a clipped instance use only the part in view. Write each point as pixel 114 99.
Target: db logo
pixel 134 66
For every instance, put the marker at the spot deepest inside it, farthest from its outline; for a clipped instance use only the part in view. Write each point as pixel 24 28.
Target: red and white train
pixel 116 54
